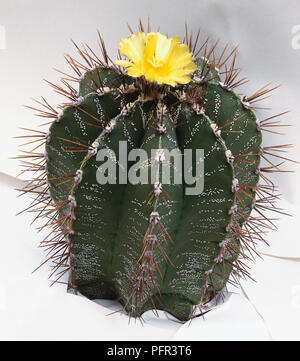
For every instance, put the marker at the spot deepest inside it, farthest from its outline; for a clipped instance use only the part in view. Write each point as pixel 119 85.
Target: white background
pixel 37 35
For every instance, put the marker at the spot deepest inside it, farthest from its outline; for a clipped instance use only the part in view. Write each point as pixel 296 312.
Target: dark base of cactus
pixel 176 305
pixel 98 290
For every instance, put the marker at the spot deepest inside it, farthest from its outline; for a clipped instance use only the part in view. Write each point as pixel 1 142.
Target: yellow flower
pixel 158 58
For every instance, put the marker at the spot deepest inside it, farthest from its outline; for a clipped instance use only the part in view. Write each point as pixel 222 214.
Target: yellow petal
pixel 123 63
pixel 133 47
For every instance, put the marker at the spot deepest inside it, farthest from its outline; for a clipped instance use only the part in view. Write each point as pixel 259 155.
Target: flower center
pixel 156 63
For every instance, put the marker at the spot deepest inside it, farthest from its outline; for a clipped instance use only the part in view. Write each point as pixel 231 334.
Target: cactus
pixel 153 245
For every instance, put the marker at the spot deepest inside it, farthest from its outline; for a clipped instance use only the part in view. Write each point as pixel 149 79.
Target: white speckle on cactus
pixel 235 185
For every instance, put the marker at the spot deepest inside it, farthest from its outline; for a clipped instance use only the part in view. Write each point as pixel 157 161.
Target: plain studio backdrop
pixel 35 35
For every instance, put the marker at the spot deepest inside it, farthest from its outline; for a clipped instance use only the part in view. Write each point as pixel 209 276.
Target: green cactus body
pixel 117 250
pixel 152 243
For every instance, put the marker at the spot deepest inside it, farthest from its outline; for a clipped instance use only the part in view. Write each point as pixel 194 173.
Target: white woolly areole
pixel 210 271
pixel 148 254
pixel 58 116
pixel 154 218
pixel 78 101
pixel 229 227
pixel 102 91
pixel 72 201
pixel 127 109
pixel 151 239
pixel 229 156
pixel 246 104
pixel 233 209
pixel 110 126
pixel 235 185
pixel 206 60
pixel 144 266
pixel 181 95
pixel 219 259
pixel 93 148
pixel 160 155
pixel 258 124
pixel 198 79
pixel 161 128
pixel 224 243
pixel 198 109
pixel 48 136
pixel 46 156
pixel 217 131
pixel 127 89
pixel 161 109
pixel 223 85
pixel 78 176
pixel 157 188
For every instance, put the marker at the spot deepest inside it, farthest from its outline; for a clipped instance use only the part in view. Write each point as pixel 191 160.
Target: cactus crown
pixel 156 244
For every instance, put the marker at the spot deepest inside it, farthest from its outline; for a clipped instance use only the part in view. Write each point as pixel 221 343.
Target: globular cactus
pixel 156 244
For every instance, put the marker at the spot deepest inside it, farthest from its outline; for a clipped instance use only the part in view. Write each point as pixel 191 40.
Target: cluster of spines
pixel 58 242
